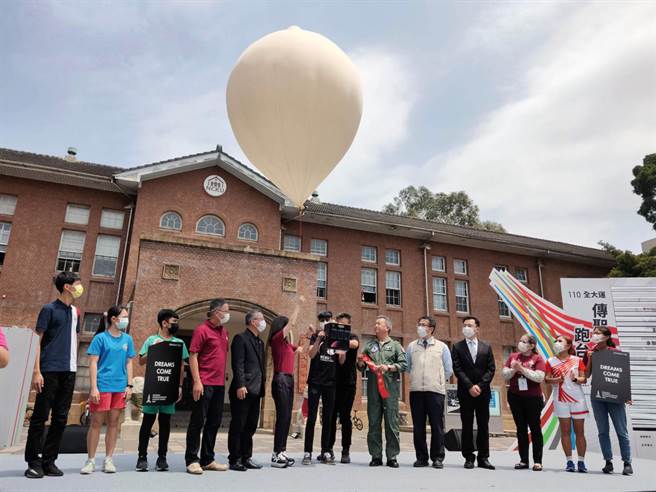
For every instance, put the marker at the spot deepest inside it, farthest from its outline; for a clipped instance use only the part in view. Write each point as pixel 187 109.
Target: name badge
pixel 373 349
pixel 522 383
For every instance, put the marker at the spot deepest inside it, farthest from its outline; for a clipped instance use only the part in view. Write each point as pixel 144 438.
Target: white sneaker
pixel 108 466
pixel 290 461
pixel 88 468
pixel 278 461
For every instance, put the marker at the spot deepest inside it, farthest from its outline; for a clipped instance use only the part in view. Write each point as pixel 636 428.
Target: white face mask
pixel 261 326
pixel 559 347
pixel 421 331
pixel 468 332
pixel 596 338
pixel 523 347
pixel 225 318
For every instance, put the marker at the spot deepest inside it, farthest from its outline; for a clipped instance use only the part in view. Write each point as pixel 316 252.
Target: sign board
pixel 215 185
pixel 611 376
pixel 162 373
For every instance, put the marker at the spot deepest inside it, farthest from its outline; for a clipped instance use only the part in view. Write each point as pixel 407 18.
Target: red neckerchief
pixel 382 390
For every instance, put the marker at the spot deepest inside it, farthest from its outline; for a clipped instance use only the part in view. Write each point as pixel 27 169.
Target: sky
pixel 538 110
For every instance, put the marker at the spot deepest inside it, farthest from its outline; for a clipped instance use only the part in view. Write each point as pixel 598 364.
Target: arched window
pixel 210 224
pixel 247 232
pixel 171 220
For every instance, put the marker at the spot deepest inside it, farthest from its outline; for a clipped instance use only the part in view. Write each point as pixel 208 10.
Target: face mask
pixel 77 291
pixel 468 331
pixel 123 324
pixel 559 347
pixel 261 326
pixel 173 328
pixel 421 331
pixel 225 318
pixel 597 338
pixel 523 347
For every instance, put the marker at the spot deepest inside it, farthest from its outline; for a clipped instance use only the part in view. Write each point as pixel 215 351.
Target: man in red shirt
pixel 208 354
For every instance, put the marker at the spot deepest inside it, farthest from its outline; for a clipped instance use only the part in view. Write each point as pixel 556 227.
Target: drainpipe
pixel 540 265
pixel 426 247
pixel 128 234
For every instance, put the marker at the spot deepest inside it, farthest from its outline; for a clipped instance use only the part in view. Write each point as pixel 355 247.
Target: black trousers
pixel 423 405
pixel 344 397
pixel 327 396
pixel 245 415
pixel 206 415
pixel 526 414
pixel 479 406
pixel 56 396
pixel 164 420
pixel 282 390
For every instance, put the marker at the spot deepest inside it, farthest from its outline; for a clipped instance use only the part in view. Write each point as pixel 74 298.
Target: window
pixel 368 284
pixel 504 311
pixel 462 296
pixel 171 220
pixel 111 219
pixel 393 288
pixel 440 294
pixel 247 232
pixel 210 224
pixel 319 247
pixel 369 254
pixel 77 214
pixel 438 264
pixel 322 270
pixel 71 247
pixel 7 204
pixel 460 267
pixel 291 243
pixel 91 322
pixel 393 257
pixel 107 248
pixel 5 231
pixel 521 274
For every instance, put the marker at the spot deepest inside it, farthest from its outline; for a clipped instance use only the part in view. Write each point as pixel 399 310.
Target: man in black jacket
pixel 473 365
pixel 246 392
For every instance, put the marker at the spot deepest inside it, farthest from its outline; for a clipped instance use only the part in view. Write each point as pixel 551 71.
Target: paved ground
pixel 355 477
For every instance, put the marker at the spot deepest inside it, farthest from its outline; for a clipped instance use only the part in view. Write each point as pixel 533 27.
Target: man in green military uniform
pixel 388 359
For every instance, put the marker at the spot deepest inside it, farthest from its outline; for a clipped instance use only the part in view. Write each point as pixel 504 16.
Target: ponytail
pixel 106 320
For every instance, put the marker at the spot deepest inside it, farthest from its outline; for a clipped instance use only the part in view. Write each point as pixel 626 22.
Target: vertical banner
pixel 162 373
pixel 15 381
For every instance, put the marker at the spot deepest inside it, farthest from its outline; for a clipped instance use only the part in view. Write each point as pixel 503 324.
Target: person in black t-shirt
pixel 321 386
pixel 345 394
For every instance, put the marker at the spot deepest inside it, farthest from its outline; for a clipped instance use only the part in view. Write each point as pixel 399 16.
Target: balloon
pixel 294 102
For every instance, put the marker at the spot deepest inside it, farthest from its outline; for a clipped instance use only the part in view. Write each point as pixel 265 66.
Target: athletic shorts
pixel 575 410
pixel 108 401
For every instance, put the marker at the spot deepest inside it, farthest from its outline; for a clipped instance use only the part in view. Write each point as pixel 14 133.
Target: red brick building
pixel 178 233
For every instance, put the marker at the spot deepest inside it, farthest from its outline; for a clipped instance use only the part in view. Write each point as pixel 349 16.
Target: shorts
pixel 154 409
pixel 575 410
pixel 108 401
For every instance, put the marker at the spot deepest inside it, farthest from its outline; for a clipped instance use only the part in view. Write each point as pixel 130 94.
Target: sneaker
pixel 142 465
pixel 214 466
pixel 628 469
pixel 194 469
pixel 108 465
pixel 89 467
pixel 278 461
pixel 581 467
pixel 34 471
pixel 346 458
pixel 608 469
pixel 52 470
pixel 162 464
pixel 320 458
pixel 290 461
pixel 328 458
pixel 307 459
pixel 570 467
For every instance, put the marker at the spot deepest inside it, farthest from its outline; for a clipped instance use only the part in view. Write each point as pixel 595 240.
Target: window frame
pixel 444 295
pixel 96 256
pixel 71 259
pixel 246 224
pixel 212 234
pixel 4 246
pixel 323 252
pixel 398 255
pixel 467 296
pixel 391 295
pixel 105 211
pixel 284 243
pixel 464 262
pixel 436 257
pixel 374 286
pixel 324 280
pixel 12 207
pixel 366 260
pixel 70 207
pixel 522 269
pixel 166 228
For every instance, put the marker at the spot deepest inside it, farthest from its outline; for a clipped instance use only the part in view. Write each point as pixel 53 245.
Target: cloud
pixel 556 161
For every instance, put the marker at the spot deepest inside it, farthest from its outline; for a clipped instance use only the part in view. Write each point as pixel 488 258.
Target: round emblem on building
pixel 215 185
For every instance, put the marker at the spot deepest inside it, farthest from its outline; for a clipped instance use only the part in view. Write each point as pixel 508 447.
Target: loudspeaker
pixel 453 440
pixel 74 439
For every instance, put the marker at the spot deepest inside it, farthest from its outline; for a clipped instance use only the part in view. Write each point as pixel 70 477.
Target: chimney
pixel 71 154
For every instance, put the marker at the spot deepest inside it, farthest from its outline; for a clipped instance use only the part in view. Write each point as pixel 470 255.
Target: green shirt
pixel 151 340
pixel 388 352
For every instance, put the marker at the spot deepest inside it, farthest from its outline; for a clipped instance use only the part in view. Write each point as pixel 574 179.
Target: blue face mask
pixel 123 324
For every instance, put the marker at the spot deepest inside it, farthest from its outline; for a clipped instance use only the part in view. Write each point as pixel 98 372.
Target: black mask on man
pixel 173 328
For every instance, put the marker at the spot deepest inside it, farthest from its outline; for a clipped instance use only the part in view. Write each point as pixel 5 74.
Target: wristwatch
pixel 130 386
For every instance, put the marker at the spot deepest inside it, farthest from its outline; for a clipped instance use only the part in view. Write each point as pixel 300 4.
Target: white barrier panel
pixel 15 380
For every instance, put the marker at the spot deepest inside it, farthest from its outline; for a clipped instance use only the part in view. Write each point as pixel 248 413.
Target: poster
pixel 163 373
pixel 611 376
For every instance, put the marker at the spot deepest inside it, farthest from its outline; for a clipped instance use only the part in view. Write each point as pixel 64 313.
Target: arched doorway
pixel 191 315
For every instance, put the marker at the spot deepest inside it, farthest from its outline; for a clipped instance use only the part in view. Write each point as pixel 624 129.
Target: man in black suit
pixel 473 365
pixel 246 392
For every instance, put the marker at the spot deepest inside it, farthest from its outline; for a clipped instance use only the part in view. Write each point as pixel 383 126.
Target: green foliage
pixel 630 264
pixel 644 185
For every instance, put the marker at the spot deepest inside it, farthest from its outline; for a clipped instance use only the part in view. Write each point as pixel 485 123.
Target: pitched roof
pixel 51 161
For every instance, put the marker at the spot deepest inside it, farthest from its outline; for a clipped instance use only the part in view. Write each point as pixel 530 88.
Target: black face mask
pixel 173 328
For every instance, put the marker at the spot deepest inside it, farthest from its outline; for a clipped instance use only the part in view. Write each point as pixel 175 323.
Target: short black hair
pixel 165 315
pixel 478 323
pixel 324 315
pixel 431 321
pixel 215 304
pixel 63 278
pixel 344 315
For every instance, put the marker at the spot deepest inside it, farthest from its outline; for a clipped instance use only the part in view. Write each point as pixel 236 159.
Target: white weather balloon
pixel 294 102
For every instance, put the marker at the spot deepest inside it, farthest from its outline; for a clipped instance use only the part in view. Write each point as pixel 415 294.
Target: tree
pixel 451 208
pixel 630 264
pixel 644 185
